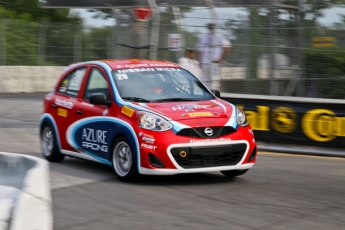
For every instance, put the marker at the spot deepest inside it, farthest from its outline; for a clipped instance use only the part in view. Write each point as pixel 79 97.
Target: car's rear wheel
pixel 234 173
pixel 50 150
pixel 124 160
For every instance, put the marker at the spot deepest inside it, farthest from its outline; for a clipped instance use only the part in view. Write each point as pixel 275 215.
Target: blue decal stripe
pixel 110 119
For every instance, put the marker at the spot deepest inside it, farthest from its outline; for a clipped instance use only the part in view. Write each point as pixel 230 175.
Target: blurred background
pixel 296 48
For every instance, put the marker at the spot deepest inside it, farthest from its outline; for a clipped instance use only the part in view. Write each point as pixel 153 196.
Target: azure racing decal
pixel 94 136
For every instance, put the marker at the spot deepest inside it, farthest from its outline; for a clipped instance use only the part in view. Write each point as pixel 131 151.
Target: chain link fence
pixel 270 55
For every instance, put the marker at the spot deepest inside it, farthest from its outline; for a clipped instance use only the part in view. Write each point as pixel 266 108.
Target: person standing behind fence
pixel 212 47
pixel 190 63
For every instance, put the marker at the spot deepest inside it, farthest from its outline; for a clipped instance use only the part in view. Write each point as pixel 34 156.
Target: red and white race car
pixel 144 117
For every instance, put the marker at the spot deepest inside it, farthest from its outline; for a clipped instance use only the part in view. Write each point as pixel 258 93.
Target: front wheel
pixel 49 146
pixel 124 160
pixel 234 173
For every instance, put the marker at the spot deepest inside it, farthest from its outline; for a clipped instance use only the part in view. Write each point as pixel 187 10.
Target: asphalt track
pixel 282 191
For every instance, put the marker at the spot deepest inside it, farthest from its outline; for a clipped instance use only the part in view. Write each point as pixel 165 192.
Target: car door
pixel 92 134
pixel 64 105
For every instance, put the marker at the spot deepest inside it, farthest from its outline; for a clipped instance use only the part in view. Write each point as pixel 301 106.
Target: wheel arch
pixel 48 119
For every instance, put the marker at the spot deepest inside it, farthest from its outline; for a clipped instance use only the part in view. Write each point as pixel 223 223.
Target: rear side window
pixel 70 85
pixel 96 84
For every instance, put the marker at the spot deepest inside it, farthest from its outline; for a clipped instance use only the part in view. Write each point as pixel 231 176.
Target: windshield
pixel 159 85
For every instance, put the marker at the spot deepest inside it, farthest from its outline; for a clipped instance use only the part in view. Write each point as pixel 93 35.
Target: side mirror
pixel 216 92
pixel 99 99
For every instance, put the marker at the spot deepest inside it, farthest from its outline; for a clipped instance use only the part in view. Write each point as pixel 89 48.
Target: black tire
pixel 124 160
pixel 49 147
pixel 234 173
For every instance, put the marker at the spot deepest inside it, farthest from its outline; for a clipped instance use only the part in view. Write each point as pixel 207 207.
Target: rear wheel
pixel 50 150
pixel 124 160
pixel 234 173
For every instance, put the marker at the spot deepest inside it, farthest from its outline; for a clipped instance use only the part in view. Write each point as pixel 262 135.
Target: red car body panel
pixel 88 131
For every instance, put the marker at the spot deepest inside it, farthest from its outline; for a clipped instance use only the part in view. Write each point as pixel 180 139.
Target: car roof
pixel 138 63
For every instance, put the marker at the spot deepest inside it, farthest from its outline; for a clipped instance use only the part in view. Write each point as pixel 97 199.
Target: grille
pixel 200 132
pixel 199 157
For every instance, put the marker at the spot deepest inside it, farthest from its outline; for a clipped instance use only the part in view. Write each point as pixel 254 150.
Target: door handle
pixel 54 106
pixel 79 112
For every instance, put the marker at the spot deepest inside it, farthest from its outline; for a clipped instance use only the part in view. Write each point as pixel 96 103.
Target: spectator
pixel 212 47
pixel 190 63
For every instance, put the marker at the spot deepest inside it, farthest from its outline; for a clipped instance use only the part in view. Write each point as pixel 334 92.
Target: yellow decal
pixel 200 114
pixel 128 111
pixel 62 112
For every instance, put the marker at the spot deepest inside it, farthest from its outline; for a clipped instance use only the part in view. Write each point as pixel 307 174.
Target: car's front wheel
pixel 49 146
pixel 124 160
pixel 234 173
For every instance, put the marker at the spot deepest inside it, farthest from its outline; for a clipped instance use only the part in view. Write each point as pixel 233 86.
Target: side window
pixel 96 84
pixel 72 82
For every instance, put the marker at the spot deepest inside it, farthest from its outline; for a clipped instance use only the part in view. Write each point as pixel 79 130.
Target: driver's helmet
pixel 155 84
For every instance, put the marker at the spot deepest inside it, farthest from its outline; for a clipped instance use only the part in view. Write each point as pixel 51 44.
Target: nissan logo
pixel 208 132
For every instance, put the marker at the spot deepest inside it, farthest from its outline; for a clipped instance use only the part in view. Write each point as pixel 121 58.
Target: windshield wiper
pixel 136 99
pixel 176 99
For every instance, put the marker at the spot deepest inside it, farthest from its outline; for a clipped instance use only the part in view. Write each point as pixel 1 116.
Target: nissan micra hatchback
pixel 144 117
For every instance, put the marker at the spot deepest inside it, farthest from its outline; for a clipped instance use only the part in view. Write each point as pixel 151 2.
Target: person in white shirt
pixel 212 49
pixel 190 63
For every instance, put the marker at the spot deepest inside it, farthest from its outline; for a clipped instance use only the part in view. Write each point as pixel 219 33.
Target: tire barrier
pixel 25 196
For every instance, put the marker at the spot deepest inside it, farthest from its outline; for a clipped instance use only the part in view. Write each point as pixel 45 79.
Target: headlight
pixel 241 118
pixel 153 122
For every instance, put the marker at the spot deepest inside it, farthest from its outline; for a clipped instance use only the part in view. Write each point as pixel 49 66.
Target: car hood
pixel 191 110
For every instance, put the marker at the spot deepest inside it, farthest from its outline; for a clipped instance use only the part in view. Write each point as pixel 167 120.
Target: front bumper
pixel 205 160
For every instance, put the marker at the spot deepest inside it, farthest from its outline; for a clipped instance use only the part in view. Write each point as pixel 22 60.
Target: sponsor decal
pixel 127 111
pixel 64 103
pixel 189 108
pixel 147 138
pixel 207 122
pixel 146 65
pixel 62 112
pixel 94 139
pixel 209 140
pixel 122 72
pixel 200 114
pixel 150 140
pixel 147 146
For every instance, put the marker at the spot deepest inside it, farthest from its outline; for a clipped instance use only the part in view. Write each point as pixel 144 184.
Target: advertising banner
pixel 316 122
